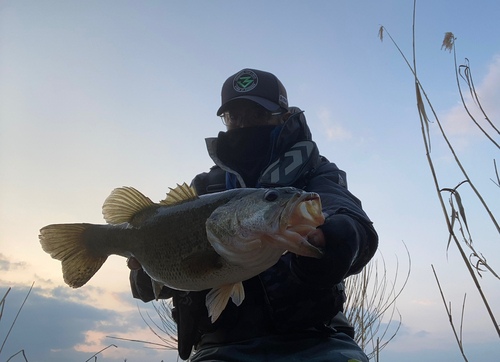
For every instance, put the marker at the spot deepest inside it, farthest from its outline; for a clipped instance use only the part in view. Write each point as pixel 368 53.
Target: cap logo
pixel 245 81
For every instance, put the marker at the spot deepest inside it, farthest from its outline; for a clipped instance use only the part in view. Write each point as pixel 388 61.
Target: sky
pixel 96 95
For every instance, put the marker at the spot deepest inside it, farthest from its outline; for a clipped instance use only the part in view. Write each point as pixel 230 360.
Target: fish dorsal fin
pixel 123 203
pixel 180 194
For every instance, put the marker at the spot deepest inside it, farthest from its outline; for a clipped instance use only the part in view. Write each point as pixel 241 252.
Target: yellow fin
pixel 217 298
pixel 65 242
pixel 238 294
pixel 180 194
pixel 123 203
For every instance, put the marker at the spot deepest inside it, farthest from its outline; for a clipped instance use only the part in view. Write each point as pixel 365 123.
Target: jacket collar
pixel 294 130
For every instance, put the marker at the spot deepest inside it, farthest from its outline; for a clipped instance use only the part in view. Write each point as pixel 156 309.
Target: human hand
pixel 133 263
pixel 316 238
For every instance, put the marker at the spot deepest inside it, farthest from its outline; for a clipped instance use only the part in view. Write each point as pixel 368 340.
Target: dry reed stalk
pixel 424 120
pixel 370 295
pixel 2 305
pixel 467 77
pixel 496 173
pixel 448 44
pixel 450 317
pixel 20 352
pixel 94 356
pixel 168 328
pixel 460 217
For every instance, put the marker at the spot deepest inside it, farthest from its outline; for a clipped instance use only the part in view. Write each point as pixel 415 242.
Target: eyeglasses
pixel 237 120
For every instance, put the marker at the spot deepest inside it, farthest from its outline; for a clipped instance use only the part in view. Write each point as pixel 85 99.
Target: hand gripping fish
pixel 190 242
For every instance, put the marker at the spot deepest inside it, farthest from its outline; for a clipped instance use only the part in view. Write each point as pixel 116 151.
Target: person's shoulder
pixel 330 170
pixel 208 182
pixel 326 165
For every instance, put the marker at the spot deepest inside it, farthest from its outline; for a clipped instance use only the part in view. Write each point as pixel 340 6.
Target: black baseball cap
pixel 255 85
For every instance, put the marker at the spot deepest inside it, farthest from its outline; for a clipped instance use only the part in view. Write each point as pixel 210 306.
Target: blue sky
pixel 101 94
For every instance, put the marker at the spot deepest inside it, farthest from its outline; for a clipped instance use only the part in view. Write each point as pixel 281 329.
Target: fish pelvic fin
pixel 180 194
pixel 65 242
pixel 218 298
pixel 123 203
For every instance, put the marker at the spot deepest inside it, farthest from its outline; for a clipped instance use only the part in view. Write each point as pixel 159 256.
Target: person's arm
pixel 347 236
pixel 141 283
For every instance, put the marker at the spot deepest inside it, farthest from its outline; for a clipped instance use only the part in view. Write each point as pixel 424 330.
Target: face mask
pixel 246 150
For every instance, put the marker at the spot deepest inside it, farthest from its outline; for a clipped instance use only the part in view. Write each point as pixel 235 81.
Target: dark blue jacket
pixel 298 293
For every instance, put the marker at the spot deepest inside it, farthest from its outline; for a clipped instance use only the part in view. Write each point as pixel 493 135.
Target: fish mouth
pixel 306 214
pixel 301 215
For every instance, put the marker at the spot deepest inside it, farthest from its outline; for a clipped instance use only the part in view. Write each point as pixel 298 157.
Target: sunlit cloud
pixel 333 130
pixel 52 328
pixel 424 302
pixel 42 282
pixel 130 343
pixel 6 264
pixel 94 341
pixel 456 120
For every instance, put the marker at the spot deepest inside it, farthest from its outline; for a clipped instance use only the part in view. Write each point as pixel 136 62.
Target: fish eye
pixel 271 195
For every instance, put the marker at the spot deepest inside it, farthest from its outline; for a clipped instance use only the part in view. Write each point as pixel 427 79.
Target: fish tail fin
pixel 218 298
pixel 66 242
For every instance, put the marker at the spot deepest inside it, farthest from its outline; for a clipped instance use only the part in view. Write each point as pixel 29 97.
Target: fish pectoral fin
pixel 157 287
pixel 218 298
pixel 123 203
pixel 202 263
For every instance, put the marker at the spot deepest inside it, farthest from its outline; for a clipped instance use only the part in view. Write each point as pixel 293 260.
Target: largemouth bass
pixel 190 242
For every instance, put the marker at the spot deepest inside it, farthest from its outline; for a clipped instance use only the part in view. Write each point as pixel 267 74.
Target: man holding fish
pixel 292 310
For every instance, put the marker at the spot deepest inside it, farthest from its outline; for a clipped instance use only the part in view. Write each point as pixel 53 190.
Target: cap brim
pixel 267 104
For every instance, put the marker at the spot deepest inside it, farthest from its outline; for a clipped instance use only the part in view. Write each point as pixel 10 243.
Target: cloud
pixel 57 329
pixel 46 323
pixel 424 302
pixel 6 264
pixel 422 334
pixel 334 130
pixel 411 345
pixel 457 122
pixel 445 352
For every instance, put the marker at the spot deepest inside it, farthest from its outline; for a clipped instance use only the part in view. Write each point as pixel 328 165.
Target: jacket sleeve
pixel 142 287
pixel 351 240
